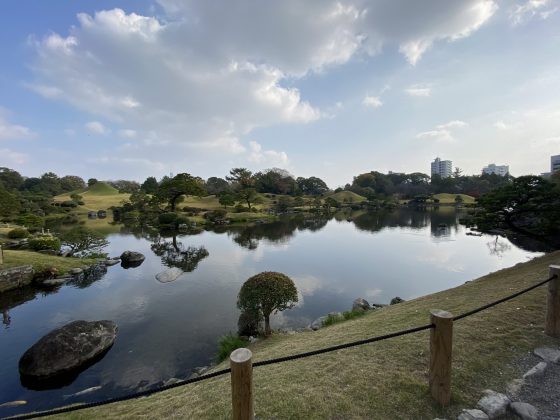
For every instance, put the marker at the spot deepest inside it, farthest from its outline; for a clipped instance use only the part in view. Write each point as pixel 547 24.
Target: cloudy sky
pixel 132 88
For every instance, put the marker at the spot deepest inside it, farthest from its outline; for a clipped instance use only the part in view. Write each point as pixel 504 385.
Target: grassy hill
pixel 100 188
pixel 387 379
pixel 347 197
pixel 445 198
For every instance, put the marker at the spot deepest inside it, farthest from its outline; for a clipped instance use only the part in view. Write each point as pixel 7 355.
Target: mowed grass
pixel 41 261
pixel 383 380
pixel 347 197
pixel 445 198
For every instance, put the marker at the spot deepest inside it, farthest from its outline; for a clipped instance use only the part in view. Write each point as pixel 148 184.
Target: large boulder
pixel 396 300
pixel 360 304
pixel 131 259
pixel 67 349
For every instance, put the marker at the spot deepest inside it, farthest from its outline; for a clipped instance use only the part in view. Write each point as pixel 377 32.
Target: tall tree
pixel 171 189
pixel 150 185
pixel 72 183
pixel 216 186
pixel 11 179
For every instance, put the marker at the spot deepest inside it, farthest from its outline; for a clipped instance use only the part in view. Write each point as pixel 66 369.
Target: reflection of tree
pixel 175 254
pixel 498 247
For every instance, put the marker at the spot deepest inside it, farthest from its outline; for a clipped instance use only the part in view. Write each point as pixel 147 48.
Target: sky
pixel 135 88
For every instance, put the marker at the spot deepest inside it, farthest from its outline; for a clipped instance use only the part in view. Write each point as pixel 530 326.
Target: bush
pixel 229 343
pixel 248 323
pixel 18 233
pixel 333 319
pixel 41 243
pixel 215 215
pixel 30 221
pixel 240 208
pixel 355 313
pixel 68 204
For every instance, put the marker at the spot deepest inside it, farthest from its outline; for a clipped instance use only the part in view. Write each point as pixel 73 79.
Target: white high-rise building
pixel 554 163
pixel 492 168
pixel 443 168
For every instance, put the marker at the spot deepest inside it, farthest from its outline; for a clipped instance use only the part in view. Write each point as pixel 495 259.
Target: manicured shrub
pixel 248 323
pixel 30 220
pixel 167 218
pixel 215 215
pixel 229 343
pixel 41 243
pixel 18 233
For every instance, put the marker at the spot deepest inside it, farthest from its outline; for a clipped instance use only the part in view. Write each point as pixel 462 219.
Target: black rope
pixel 528 289
pixel 270 361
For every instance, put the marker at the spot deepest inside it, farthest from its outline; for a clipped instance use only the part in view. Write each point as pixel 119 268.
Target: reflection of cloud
pixel 306 286
pixel 442 261
pixel 370 293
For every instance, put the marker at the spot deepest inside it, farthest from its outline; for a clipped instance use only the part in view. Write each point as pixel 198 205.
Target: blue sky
pixel 128 89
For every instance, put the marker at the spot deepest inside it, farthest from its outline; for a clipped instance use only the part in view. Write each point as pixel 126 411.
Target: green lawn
pixel 445 198
pixel 347 197
pixel 387 379
pixel 41 261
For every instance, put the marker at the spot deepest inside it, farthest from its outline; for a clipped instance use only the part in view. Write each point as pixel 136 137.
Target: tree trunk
pixel 267 331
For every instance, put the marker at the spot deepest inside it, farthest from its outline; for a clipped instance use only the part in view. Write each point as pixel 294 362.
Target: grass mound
pixel 41 261
pixel 347 197
pixel 445 198
pixel 101 188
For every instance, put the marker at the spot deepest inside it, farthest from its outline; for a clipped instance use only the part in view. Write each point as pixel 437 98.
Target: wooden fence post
pixel 242 384
pixel 1 255
pixel 552 323
pixel 441 344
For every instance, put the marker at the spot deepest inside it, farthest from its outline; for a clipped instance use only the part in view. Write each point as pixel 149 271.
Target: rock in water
pixel 360 303
pixel 68 348
pixel 131 259
pixel 169 275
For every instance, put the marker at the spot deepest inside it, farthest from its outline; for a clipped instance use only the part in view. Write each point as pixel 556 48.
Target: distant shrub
pixel 68 204
pixel 355 313
pixel 41 243
pixel 30 220
pixel 215 215
pixel 240 208
pixel 18 233
pixel 228 343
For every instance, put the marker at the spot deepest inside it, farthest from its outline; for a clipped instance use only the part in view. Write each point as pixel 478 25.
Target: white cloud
pixel 372 101
pixel 9 131
pixel 95 127
pixel 442 132
pixel 267 157
pixel 419 90
pixel 11 157
pixel 521 13
pixel 127 133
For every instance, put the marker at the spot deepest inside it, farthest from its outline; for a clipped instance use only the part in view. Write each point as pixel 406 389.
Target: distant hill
pixel 347 197
pixel 101 188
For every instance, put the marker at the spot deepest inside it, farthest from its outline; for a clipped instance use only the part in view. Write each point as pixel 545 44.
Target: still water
pixel 167 329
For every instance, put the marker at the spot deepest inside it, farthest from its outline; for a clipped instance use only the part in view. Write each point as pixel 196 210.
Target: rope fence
pixel 441 327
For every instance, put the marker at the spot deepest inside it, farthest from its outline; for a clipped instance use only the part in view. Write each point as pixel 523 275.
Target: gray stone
pixel 548 354
pixel 67 348
pixel 493 403
pixel 58 281
pixel 473 414
pixel 525 411
pixel 76 271
pixel 360 303
pixel 537 370
pixel 318 323
pixel 111 262
pixel 169 275
pixel 513 388
pixel 396 300
pixel 201 370
pixel 12 278
pixel 171 381
pixel 131 259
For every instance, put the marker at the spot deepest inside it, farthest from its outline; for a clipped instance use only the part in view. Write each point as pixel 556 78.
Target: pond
pixel 167 329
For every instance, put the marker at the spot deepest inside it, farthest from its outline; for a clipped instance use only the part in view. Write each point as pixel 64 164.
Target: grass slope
pixel 347 196
pixel 387 379
pixel 101 188
pixel 40 261
pixel 445 198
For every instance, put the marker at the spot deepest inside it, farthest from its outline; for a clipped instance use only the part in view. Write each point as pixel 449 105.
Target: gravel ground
pixel 542 392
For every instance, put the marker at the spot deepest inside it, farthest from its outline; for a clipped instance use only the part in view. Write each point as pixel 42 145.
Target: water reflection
pixel 174 254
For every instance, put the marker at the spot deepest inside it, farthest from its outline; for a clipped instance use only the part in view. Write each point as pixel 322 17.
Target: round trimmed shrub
pixel 18 233
pixel 41 243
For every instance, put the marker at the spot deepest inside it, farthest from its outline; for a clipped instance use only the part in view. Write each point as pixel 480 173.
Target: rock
pixel 377 305
pixel 548 354
pixel 318 323
pixel 76 271
pixel 131 259
pixel 513 388
pixel 67 348
pixel 111 262
pixel 396 300
pixel 58 281
pixel 169 275
pixel 525 411
pixel 537 370
pixel 201 370
pixel 473 414
pixel 360 303
pixel 493 403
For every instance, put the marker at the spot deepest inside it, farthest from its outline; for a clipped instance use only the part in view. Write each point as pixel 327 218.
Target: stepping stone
pixel 493 403
pixel 513 388
pixel 525 411
pixel 548 354
pixel 473 414
pixel 537 370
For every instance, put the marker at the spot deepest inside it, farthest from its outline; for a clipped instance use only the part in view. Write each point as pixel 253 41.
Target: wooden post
pixel 242 384
pixel 552 322
pixel 441 343
pixel 1 255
